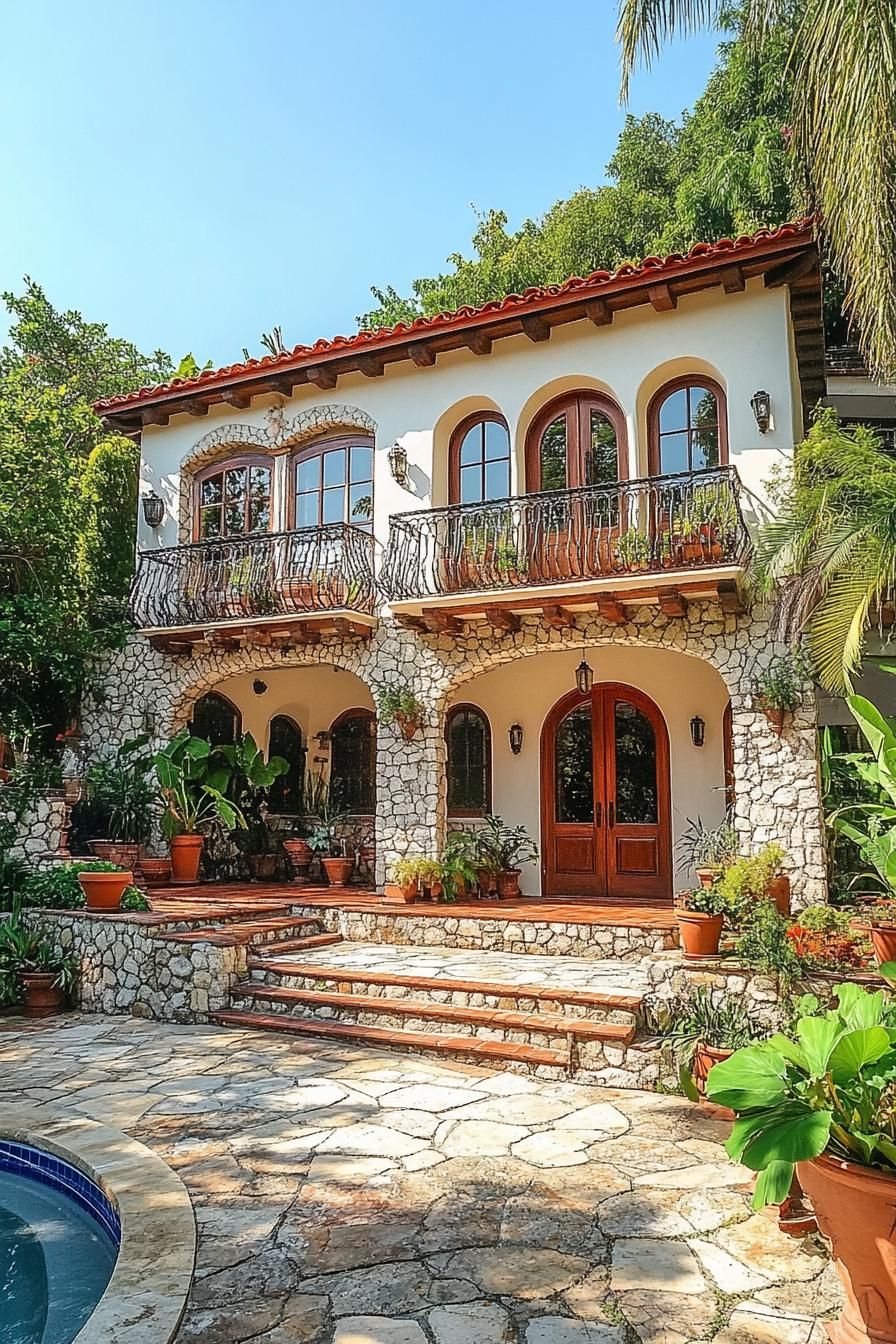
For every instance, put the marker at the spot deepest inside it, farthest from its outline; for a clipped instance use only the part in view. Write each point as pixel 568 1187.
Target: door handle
pixel 611 814
pixel 597 815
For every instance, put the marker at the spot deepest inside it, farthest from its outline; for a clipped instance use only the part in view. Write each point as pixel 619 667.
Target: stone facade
pixel 41 830
pixel 776 778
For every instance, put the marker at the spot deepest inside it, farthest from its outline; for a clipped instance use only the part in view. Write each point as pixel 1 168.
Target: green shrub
pixel 765 946
pixel 747 879
pixel 59 889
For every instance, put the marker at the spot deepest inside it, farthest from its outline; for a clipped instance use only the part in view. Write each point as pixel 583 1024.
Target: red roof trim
pixel 538 298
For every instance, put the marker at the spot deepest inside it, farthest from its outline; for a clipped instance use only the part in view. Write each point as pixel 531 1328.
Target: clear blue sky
pixel 193 174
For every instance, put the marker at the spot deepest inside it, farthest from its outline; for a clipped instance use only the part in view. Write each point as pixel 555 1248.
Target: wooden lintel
pixel 559 618
pixel 500 619
pixel 733 280
pixel 261 637
pixel 730 597
pixel 370 366
pixel 611 610
pixel 478 342
pixel 662 298
pixel 408 622
pixel 284 385
pixel 536 328
pixel 599 312
pixel 792 270
pixel 672 602
pixel 239 400
pixel 197 408
pixel 441 623
pixel 423 355
pixel 323 377
pixel 155 417
pixel 280 639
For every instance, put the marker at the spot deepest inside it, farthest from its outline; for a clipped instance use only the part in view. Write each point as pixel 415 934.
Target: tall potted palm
pixel 192 785
pixel 251 779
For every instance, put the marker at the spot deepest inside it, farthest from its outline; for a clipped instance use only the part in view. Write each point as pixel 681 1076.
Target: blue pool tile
pixel 45 1169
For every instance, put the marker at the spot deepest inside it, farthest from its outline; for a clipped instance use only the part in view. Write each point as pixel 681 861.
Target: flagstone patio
pixel 351 1196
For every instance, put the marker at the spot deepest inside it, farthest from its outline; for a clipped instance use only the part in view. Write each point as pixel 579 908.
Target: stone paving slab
pixel 350 1196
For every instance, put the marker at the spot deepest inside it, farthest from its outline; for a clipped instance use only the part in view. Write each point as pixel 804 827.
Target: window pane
pixel 703 407
pixel 468 762
pixel 352 768
pixel 334 467
pixel 601 460
pixel 308 474
pixel 470 485
pixel 334 505
pixel 215 720
pixel 673 453
pixel 704 448
pixel 307 510
pixel 286 791
pixel 259 515
pixel 674 412
pixel 210 490
pixel 497 440
pixel 636 794
pixel 234 519
pixel 574 792
pixel 210 522
pixel 553 455
pixel 360 503
pixel 235 480
pixel 497 480
pixel 362 463
pixel 471 448
pixel 259 481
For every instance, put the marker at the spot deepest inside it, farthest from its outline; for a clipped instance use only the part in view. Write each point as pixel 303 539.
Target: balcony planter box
pixel 700 934
pixel 856 1210
pixel 103 891
pixel 338 870
pixel 43 996
pixel 186 851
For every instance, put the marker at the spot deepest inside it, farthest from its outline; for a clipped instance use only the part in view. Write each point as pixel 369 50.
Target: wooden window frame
pixel 467 707
pixel 357 712
pixel 458 434
pixel 653 418
pixel 585 399
pixel 212 693
pixel 217 469
pixel 318 448
pixel 303 747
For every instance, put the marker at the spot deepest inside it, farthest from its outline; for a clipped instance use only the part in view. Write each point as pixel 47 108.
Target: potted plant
pixel 764 943
pixel 327 835
pixel 459 872
pixel 119 787
pixel 707 849
pixel 415 874
pixel 403 708
pixel 818 1100
pixel 156 872
pixel 250 782
pixel 633 550
pixel 192 786
pixel 701 1030
pixel 295 842
pixel 700 917
pixel 756 877
pixel 61 888
pixel 503 850
pixel 28 957
pixel 103 890
pixel 778 689
pixel 882 931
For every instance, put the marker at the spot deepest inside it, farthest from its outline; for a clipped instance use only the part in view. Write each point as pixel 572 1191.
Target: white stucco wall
pixel 743 340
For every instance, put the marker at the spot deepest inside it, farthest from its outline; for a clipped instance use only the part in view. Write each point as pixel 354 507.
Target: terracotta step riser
pixel 457 998
pixel 302 944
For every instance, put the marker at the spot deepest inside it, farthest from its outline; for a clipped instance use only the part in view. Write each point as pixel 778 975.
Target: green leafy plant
pixel 120 787
pixel 250 783
pixel 695 1015
pixel 780 685
pixel 826 1088
pixel 28 949
pixel 747 879
pixel 324 819
pixel 459 862
pixel 193 783
pixel 633 549
pixel 764 944
pixel 705 901
pixel 502 848
pixel 702 846
pixel 872 826
pixel 416 870
pixel 400 706
pixel 59 889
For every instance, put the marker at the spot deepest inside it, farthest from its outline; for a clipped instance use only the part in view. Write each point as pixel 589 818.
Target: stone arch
pixel 218 444
pixel 317 421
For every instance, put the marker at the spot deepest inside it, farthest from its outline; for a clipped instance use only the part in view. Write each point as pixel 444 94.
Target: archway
pixel 605 796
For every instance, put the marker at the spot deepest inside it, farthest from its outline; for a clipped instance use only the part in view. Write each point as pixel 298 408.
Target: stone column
pixel 410 792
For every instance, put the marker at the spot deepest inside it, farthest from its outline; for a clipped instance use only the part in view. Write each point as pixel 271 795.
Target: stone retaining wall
pixel 40 829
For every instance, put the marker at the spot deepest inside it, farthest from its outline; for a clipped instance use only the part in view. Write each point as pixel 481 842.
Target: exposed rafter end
pixel 731 598
pixel 370 366
pixel 599 312
pixel 611 610
pixel 423 355
pixel 197 408
pixel 796 269
pixel 536 328
pixel 156 418
pixel 733 280
pixel 662 298
pixel 672 602
pixel 500 619
pixel 441 623
pixel 557 617
pixel 478 342
pixel 323 377
pixel 240 401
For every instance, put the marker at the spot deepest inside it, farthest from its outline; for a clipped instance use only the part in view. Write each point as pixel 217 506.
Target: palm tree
pixel 843 117
pixel 828 560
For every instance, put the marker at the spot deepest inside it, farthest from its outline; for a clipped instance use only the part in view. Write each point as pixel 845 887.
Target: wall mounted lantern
pixel 322 739
pixel 698 731
pixel 584 677
pixel 515 733
pixel 153 509
pixel 761 403
pixel 398 463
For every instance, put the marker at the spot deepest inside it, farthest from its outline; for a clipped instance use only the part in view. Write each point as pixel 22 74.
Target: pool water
pixel 55 1262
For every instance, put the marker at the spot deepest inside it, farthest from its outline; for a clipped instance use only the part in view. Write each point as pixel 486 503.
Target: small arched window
pixel 332 482
pixel 576 440
pixel 216 720
pixel 687 424
pixel 232 499
pixel 469 742
pixel 353 761
pixel 479 459
pixel 285 739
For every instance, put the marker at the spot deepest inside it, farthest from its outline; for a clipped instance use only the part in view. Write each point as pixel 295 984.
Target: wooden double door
pixel 606 827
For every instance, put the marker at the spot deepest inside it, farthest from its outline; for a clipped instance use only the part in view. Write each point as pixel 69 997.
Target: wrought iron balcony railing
pixel 312 569
pixel 565 536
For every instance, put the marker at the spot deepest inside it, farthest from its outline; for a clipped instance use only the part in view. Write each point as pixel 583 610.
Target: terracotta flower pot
pixel 393 892
pixel 779 892
pixel 186 851
pixel 706 876
pixel 104 890
pixel 125 854
pixel 42 996
pixel 705 1056
pixel 262 867
pixel 776 717
pixel 856 1210
pixel 883 940
pixel 408 726
pixel 487 882
pixel 156 872
pixel 700 933
pixel 103 849
pixel 508 884
pixel 300 854
pixel 338 870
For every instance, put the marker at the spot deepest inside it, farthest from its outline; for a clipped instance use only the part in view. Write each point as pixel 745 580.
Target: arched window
pixel 469 742
pixel 232 499
pixel 332 482
pixel 576 440
pixel 285 739
pixel 216 720
pixel 353 761
pixel 479 459
pixel 687 426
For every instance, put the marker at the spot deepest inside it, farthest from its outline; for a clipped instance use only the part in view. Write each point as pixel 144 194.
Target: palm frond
pixel 838 624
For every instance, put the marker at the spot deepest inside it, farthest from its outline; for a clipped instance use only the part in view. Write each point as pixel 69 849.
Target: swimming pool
pixel 59 1240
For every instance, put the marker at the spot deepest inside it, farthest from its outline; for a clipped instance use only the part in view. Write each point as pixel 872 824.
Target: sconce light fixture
pixel 153 509
pixel 398 463
pixel 761 403
pixel 322 739
pixel 515 733
pixel 584 677
pixel 259 686
pixel 698 731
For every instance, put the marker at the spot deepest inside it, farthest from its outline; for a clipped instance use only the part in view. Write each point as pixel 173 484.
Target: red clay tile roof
pixel 541 298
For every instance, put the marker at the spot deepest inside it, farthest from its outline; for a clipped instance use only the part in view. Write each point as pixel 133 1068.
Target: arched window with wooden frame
pixel 285 739
pixel 687 426
pixel 332 482
pixel 576 440
pixel 353 761
pixel 468 738
pixel 216 719
pixel 233 498
pixel 479 459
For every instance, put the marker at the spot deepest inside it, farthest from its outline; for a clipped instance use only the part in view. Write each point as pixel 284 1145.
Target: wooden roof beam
pixel 662 298
pixel 536 328
pixel 795 269
pixel 672 602
pixel 733 280
pixel 441 623
pixel 240 401
pixel 423 355
pixel 370 365
pixel 323 377
pixel 197 408
pixel 557 617
pixel 499 619
pixel 730 597
pixel 156 417
pixel 599 312
pixel 611 610
pixel 478 342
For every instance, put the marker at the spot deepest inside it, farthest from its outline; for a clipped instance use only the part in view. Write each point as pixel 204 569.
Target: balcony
pixel 271 588
pixel 656 539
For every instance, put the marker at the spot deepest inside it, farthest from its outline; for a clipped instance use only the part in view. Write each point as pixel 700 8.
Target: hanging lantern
pixel 515 733
pixel 153 509
pixel 398 463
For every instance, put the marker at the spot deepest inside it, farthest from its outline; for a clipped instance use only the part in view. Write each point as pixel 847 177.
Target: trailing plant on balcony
pixel 401 707
pixel 633 550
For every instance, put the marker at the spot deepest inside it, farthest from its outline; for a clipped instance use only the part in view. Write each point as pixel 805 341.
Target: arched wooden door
pixel 606 828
